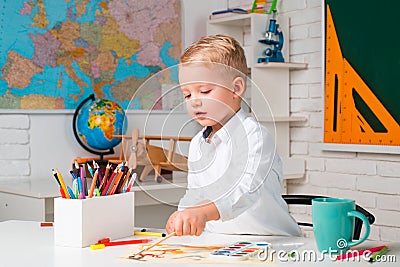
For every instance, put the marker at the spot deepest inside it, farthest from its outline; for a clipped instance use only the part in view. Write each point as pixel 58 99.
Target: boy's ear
pixel 238 86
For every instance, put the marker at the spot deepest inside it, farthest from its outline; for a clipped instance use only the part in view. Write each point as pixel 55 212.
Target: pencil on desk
pixel 378 254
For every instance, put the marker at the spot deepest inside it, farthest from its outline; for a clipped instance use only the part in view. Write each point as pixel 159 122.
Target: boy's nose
pixel 196 102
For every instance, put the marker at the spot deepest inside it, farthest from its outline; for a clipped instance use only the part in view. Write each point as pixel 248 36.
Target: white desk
pixel 27 244
pixel 28 200
pixel 32 200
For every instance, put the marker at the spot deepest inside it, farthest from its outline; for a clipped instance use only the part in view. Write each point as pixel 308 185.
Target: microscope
pixel 274 38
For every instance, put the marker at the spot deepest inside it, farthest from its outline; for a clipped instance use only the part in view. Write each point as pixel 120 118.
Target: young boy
pixel 235 174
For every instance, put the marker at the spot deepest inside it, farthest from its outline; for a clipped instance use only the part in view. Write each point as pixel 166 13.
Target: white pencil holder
pixel 80 223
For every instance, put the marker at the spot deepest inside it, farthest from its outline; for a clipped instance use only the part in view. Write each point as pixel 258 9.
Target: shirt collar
pixel 224 134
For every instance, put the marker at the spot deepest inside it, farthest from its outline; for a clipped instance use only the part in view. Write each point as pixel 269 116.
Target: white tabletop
pixel 27 244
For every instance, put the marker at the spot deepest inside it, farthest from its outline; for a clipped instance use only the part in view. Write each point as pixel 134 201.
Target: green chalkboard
pixel 369 37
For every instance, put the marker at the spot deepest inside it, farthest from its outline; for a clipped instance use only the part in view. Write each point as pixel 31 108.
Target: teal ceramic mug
pixel 333 224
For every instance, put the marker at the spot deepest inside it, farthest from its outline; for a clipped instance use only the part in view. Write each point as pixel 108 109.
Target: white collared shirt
pixel 239 170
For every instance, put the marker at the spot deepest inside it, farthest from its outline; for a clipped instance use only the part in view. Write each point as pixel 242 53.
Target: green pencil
pixel 377 254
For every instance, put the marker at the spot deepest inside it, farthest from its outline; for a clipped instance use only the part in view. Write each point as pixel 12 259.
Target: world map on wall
pixel 54 54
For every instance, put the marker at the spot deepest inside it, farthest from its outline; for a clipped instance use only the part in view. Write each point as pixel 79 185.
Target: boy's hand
pixel 192 221
pixel 187 222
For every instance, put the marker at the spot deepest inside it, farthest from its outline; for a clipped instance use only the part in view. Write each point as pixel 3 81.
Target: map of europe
pixel 55 53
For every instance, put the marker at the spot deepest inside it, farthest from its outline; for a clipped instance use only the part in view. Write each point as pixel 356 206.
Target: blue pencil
pixel 70 192
pixel 79 182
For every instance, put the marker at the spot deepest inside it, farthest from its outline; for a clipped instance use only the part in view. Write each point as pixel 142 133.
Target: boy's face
pixel 210 96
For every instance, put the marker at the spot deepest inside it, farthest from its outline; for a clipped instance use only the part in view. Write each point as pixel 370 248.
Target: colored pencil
pixel 100 178
pixel 62 193
pixel 110 181
pixel 94 180
pixel 377 254
pixel 129 188
pixel 70 192
pixel 76 169
pixel 82 176
pixel 64 188
pixel 116 183
pixel 90 169
pixel 105 178
pixel 79 185
pixel 56 177
pixel 125 180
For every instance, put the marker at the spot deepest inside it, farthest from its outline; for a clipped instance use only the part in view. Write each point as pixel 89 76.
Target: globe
pixel 95 123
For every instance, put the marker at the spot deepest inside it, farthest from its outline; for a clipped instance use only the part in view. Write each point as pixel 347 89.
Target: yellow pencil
pixel 64 188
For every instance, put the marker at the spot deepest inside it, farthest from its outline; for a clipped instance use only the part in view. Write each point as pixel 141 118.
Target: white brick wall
pixel 373 180
pixel 14 146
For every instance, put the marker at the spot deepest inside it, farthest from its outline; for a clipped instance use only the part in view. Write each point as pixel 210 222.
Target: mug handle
pixel 365 222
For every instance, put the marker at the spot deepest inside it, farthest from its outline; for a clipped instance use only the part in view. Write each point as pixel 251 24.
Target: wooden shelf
pixel 293 168
pixel 290 65
pixel 284 119
pixel 232 19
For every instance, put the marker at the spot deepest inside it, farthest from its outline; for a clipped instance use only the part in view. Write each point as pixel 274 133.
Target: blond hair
pixel 218 48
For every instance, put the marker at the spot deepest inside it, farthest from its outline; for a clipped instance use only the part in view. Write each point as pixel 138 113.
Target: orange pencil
pixel 128 174
pixel 115 185
pixel 96 174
